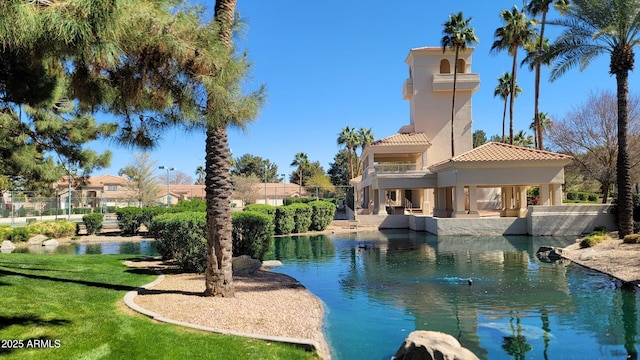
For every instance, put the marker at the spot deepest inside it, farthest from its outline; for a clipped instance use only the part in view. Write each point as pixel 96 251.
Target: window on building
pixel 461 66
pixel 112 187
pixel 445 68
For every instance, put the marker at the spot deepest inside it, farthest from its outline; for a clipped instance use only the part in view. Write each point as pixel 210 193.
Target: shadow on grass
pixel 30 320
pixel 73 281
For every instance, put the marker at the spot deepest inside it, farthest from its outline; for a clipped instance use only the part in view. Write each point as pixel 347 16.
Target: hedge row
pixel 182 237
pixel 52 228
pixel 131 218
pixel 582 196
pixel 298 217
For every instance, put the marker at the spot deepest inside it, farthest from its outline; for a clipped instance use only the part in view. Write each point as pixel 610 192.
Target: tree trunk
pixel 219 272
pixel 536 114
pixel 625 197
pixel 504 116
pixel 453 101
pixel 512 95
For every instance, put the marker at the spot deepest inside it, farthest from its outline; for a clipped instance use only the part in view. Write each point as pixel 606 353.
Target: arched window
pixel 461 66
pixel 445 68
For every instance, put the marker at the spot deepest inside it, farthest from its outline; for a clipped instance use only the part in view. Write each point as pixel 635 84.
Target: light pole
pixel 168 182
pixel 284 187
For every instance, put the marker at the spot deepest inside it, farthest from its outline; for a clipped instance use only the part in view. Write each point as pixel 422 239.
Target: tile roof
pixel 495 151
pixel 401 139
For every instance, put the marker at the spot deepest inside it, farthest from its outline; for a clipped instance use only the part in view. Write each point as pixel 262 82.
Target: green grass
pixel 76 302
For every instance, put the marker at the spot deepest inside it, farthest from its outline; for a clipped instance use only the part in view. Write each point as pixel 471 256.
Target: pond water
pixel 147 248
pixel 378 287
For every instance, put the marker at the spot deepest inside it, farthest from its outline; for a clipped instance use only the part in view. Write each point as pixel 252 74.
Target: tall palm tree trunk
pixel 536 115
pixel 453 101
pixel 512 97
pixel 504 116
pixel 219 272
pixel 625 197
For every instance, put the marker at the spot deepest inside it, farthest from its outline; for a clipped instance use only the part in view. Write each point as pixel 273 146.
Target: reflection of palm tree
pixel 516 345
pixel 544 316
pixel 629 320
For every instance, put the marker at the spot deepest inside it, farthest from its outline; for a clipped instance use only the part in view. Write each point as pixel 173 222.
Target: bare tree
pixel 589 133
pixel 245 188
pixel 176 178
pixel 141 182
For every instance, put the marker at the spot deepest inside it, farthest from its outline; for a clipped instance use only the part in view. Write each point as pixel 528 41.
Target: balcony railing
pixel 394 167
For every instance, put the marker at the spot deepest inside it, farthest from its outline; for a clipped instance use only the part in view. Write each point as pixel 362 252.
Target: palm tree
pixel 349 138
pixel 544 122
pixel 592 28
pixel 301 160
pixel 522 139
pixel 366 137
pixel 225 106
pixel 517 31
pixel 504 90
pixel 200 173
pixel 456 36
pixel 535 8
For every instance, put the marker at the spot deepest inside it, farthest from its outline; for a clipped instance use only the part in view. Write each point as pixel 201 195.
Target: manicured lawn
pixel 70 307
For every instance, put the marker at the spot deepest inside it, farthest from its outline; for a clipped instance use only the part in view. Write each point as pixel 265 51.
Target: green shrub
pixel 593 239
pixel 129 219
pixel 182 237
pixel 262 208
pixel 302 217
pixel 150 212
pixel 631 239
pixel 636 227
pixel 5 230
pixel 285 221
pixel 252 233
pixel 592 197
pixel 93 223
pixel 190 205
pixel 322 214
pixel 19 234
pixel 52 228
pixel 600 229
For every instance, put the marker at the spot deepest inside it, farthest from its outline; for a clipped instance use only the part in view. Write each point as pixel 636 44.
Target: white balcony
pixel 464 82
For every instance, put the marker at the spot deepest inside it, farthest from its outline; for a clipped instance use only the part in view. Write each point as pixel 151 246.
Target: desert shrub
pixel 252 233
pixel 631 239
pixel 592 197
pixel 5 230
pixel 572 195
pixel 322 214
pixel 52 228
pixel 93 223
pixel 190 205
pixel 19 234
pixel 593 239
pixel 149 212
pixel 182 237
pixel 262 208
pixel 285 221
pixel 302 217
pixel 129 219
pixel 600 229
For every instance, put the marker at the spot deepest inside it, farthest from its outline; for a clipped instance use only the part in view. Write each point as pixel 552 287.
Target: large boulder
pixel 37 240
pixel 51 243
pixel 548 254
pixel 7 246
pixel 245 265
pixel 432 345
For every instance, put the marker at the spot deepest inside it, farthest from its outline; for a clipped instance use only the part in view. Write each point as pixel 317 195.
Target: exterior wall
pixel 568 219
pixel 476 226
pixel 502 176
pixel 428 112
pixel 563 220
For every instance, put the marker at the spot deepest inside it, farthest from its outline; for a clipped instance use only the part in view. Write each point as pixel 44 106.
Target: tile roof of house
pixel 401 139
pixel 495 151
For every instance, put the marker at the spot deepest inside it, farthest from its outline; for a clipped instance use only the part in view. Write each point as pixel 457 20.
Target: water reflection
pixel 380 286
pixel 315 247
pixel 147 248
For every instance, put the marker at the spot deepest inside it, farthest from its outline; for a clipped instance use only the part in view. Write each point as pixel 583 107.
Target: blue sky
pixel 329 64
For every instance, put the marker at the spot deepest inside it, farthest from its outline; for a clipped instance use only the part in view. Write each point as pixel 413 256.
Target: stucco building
pixel 413 172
